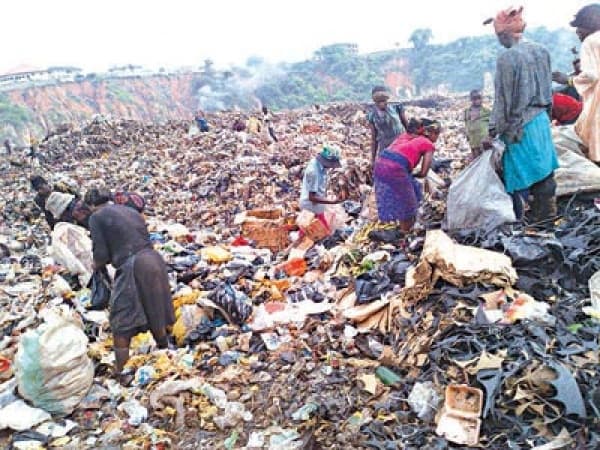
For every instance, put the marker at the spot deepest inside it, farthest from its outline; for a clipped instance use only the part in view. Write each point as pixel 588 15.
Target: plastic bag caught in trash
pixel 231 303
pixel 19 416
pixel 477 198
pixel 424 400
pixel 72 248
pixel 101 290
pixel 370 285
pixel 576 173
pixel 53 369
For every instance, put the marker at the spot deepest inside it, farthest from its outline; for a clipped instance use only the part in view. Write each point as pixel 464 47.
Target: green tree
pixel 420 38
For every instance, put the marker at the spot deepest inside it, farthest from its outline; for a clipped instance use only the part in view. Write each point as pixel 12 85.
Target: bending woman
pixel 398 194
pixel 141 297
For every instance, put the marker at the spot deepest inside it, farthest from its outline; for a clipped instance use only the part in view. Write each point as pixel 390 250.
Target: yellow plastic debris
pixel 215 254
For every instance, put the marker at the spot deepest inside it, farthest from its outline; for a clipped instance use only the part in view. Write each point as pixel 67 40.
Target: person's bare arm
pixel 403 119
pixel 314 198
pixel 373 142
pixel 426 164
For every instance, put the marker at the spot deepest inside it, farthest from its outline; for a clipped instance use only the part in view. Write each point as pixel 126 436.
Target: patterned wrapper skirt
pixel 398 194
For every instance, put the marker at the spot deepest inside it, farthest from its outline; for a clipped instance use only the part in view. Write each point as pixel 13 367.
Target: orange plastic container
pixel 294 267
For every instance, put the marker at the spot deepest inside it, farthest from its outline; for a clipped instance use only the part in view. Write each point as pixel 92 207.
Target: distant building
pixel 64 73
pixel 23 76
pixel 127 71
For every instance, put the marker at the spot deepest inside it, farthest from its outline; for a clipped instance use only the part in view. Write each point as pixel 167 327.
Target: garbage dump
pixel 364 337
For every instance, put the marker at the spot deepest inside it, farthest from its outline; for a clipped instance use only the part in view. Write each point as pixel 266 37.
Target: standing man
pixel 520 116
pixel 477 123
pixel 587 22
pixel 313 196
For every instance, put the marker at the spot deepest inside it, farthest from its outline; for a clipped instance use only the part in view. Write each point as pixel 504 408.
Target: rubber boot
pixel 543 208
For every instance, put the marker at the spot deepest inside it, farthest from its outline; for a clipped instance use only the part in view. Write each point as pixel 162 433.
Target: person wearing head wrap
pixel 386 122
pixel 521 117
pixel 58 209
pixel 397 192
pixel 313 196
pixel 57 203
pixel 587 82
pixel 565 109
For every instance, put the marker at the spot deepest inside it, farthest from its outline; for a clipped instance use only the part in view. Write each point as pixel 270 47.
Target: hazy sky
pixel 97 34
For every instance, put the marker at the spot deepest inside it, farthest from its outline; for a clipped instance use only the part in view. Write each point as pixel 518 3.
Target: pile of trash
pixel 362 338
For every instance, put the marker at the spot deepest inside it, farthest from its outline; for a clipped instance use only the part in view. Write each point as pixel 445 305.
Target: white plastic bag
pixel 193 130
pixel 576 173
pixel 477 198
pixel 336 217
pixel 72 248
pixel 53 369
pixel 19 416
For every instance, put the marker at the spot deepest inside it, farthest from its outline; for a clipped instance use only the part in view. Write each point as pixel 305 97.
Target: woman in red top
pixel 397 192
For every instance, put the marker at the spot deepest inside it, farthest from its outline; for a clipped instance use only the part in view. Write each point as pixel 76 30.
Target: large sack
pixel 72 248
pixel 477 198
pixel 576 173
pixel 53 369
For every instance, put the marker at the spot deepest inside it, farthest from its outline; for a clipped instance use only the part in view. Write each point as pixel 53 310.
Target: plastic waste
pixel 215 395
pixel 7 392
pixel 101 290
pixel 459 421
pixel 387 376
pixel 424 400
pixel 256 440
pixel 52 367
pixel 477 198
pixel 59 287
pixel 230 442
pixel 370 286
pixel 271 340
pixel 174 387
pixel 287 439
pixel 336 217
pixel 72 249
pixel 233 414
pixel 294 268
pixel 215 254
pixel 189 317
pixel 231 303
pixel 136 412
pixel 576 173
pixel 144 375
pixel 19 416
pixel 305 411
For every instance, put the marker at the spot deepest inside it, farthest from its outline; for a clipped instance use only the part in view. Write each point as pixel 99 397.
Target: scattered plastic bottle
pixel 387 377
